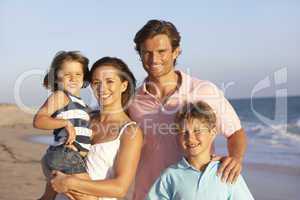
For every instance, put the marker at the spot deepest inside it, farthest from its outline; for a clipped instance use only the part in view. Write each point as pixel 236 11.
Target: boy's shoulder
pixel 183 168
pixel 173 170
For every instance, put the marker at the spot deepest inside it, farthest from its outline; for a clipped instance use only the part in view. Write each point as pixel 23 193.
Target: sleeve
pixel 228 121
pixel 240 190
pixel 160 190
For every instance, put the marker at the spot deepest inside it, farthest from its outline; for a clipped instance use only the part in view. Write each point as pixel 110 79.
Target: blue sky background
pixel 242 42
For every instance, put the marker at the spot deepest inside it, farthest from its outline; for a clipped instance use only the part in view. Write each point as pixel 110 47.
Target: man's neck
pixel 163 86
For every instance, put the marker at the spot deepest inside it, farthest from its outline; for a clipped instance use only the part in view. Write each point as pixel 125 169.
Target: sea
pixel 272 125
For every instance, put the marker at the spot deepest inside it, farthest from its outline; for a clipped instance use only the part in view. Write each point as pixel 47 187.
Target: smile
pixel 192 146
pixel 104 96
pixel 155 67
pixel 73 85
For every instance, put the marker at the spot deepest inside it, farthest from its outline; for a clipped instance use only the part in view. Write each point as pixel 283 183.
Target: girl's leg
pixel 80 196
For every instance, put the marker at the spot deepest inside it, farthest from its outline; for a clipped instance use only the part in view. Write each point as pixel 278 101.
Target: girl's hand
pixel 71 133
pixel 59 182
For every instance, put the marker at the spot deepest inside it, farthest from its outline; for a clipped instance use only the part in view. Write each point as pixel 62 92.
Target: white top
pixel 100 159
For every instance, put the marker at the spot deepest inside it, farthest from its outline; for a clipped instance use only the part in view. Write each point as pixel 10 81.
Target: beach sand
pixel 21 177
pixel 20 172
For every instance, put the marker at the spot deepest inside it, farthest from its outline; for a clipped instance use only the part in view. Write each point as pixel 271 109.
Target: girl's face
pixel 70 77
pixel 108 86
pixel 195 138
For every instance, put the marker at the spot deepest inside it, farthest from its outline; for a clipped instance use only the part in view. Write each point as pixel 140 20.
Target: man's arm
pixel 237 144
pixel 231 165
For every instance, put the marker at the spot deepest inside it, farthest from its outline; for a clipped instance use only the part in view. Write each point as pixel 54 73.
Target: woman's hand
pixel 59 182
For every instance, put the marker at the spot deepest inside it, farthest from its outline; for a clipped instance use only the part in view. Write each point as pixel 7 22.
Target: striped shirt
pixel 77 112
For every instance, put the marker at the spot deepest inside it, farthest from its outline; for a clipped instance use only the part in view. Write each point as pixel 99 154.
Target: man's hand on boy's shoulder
pixel 229 169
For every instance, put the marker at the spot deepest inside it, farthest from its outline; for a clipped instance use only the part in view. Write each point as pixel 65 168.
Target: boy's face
pixel 195 138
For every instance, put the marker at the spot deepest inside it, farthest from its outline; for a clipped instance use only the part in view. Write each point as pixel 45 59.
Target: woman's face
pixel 108 86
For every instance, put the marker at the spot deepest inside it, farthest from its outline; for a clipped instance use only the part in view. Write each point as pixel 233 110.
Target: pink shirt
pixel 160 148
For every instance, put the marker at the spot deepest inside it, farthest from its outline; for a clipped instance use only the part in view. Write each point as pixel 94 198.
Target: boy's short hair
pixel 197 110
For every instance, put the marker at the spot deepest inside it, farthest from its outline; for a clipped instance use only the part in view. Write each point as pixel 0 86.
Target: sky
pixel 247 48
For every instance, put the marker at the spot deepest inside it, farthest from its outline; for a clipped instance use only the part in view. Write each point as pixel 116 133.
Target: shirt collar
pixel 186 80
pixel 184 164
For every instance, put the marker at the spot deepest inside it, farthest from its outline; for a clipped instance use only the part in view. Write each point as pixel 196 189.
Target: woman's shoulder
pixel 94 114
pixel 94 120
pixel 130 129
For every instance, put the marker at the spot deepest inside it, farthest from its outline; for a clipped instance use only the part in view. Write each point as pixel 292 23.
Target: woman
pixel 117 141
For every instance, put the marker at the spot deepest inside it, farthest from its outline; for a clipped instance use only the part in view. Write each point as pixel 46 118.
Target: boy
pixel 195 176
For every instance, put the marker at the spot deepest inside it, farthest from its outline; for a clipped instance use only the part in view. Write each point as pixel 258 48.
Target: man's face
pixel 158 56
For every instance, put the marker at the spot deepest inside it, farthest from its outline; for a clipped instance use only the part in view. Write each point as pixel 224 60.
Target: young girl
pixel 67 115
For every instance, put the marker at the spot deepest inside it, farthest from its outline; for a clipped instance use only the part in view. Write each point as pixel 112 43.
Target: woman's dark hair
pixel 124 73
pixel 50 80
pixel 197 110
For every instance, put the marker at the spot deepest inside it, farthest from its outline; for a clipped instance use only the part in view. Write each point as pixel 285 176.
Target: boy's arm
pixel 240 190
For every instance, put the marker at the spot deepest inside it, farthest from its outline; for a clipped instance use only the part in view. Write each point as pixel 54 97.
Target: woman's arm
pixel 125 169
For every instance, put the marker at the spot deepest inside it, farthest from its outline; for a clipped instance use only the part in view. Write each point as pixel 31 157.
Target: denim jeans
pixel 64 159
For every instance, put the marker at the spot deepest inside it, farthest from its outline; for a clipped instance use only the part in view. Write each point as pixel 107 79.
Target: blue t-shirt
pixel 182 181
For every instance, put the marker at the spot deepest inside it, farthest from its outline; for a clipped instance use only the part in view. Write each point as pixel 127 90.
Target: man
pixel 161 96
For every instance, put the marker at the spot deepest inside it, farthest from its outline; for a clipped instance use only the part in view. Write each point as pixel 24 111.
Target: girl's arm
pixel 125 169
pixel 43 119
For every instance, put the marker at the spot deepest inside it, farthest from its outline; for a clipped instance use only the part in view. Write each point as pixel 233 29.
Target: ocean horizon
pixel 272 125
